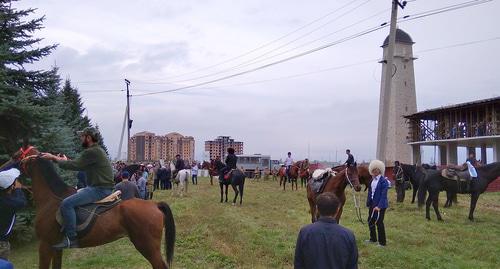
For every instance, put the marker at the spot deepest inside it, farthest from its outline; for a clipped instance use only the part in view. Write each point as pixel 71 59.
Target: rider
pixel 11 199
pixel 231 160
pixel 95 163
pixel 350 158
pixel 472 159
pixel 288 164
pixel 179 165
pixel 305 165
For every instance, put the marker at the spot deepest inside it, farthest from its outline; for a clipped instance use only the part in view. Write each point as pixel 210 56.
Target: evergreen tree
pixel 23 115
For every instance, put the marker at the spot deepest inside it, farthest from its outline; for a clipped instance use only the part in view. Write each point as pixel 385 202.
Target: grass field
pixel 262 233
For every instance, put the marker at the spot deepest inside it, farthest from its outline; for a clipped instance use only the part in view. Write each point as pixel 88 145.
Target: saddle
pixel 456 174
pixel 86 215
pixel 319 179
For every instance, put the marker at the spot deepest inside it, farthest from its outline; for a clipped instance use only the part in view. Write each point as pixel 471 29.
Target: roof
pixel 401 37
pixel 429 112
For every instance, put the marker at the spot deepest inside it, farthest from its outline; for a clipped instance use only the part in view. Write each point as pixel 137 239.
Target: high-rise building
pixel 400 101
pixel 146 146
pixel 218 147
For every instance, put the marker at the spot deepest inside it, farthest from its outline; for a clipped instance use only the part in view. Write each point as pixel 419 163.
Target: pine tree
pixel 23 115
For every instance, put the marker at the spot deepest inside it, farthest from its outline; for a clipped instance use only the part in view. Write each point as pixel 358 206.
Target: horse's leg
pixel 415 189
pixel 312 208
pixel 57 259
pixel 435 205
pixel 473 200
pixel 235 193
pixel 221 191
pixel 45 255
pixel 227 187
pixel 211 180
pixel 427 206
pixel 449 199
pixel 241 187
pixel 149 245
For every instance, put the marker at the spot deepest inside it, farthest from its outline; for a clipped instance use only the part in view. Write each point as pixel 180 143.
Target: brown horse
pixel 292 176
pixel 142 221
pixel 336 184
pixel 304 174
pixel 212 171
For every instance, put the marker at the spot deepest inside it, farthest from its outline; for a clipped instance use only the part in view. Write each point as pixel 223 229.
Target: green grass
pixel 262 233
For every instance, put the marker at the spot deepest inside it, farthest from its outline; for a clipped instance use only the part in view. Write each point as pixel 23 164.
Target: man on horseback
pixel 95 163
pixel 179 165
pixel 231 161
pixel 350 158
pixel 288 165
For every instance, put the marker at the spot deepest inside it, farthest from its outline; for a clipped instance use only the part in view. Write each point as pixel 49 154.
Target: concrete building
pixel 392 132
pixel 146 146
pixel 218 147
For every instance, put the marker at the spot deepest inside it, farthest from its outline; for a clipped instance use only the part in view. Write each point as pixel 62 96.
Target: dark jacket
pixel 380 196
pixel 231 161
pixel 9 203
pixel 95 163
pixel 350 160
pixel 325 244
pixel 179 165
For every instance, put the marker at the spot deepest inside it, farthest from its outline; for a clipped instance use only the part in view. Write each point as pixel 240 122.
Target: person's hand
pixel 376 208
pixel 62 157
pixel 48 156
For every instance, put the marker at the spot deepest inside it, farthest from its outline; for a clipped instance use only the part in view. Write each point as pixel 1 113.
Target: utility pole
pixel 381 154
pixel 129 121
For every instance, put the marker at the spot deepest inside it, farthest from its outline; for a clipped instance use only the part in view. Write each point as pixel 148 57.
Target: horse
pixel 182 180
pixel 237 182
pixel 304 175
pixel 128 218
pixel 212 171
pixel 336 184
pixel 434 182
pixel 415 174
pixel 292 176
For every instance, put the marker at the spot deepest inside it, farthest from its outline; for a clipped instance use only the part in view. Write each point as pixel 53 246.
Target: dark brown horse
pixel 142 221
pixel 292 176
pixel 212 171
pixel 336 184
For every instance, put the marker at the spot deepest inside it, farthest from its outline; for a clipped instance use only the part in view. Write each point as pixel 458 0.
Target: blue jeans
pixel 194 178
pixel 85 196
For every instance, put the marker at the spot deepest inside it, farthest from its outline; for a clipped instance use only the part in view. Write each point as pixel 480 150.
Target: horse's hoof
pixel 233 204
pixel 440 220
pixel 428 218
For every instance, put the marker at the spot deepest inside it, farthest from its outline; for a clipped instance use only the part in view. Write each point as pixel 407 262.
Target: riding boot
pixel 67 242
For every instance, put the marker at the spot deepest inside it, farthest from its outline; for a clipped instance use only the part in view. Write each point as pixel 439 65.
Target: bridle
pixel 355 198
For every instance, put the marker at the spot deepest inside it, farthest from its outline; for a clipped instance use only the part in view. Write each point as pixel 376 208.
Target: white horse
pixel 182 178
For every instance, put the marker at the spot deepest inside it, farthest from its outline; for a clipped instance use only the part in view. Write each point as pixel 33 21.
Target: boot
pixel 67 243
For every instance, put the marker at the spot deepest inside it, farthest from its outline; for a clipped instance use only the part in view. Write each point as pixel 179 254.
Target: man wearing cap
pixel 94 162
pixel 129 190
pixel 11 199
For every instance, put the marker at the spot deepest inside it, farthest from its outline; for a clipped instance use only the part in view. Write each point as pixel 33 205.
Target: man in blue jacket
pixel 325 244
pixel 377 202
pixel 11 199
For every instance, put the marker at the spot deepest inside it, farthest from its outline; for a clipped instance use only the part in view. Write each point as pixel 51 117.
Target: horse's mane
pixel 52 178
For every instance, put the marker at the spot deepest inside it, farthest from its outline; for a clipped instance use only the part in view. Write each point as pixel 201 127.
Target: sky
pixel 165 45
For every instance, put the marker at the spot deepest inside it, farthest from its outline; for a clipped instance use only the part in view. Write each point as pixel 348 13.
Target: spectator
pixel 326 244
pixel 11 199
pixel 150 182
pixel 194 174
pixel 129 190
pixel 141 184
pixel 377 202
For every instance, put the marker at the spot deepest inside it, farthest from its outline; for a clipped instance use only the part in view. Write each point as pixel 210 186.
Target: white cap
pixel 8 177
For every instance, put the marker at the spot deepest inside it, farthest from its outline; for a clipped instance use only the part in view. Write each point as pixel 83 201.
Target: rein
pixel 355 198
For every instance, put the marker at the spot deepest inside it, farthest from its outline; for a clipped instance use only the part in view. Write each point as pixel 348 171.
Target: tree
pixel 23 115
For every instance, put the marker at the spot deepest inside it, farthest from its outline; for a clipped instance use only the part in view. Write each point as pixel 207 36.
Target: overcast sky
pixel 171 43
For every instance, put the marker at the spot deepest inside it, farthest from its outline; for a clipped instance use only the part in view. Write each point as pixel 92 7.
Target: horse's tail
pixel 422 190
pixel 169 231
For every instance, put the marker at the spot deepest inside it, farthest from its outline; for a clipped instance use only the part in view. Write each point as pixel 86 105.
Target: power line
pixel 252 60
pixel 268 43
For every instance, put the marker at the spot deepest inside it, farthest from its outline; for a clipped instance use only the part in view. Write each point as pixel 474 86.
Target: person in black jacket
pixel 350 158
pixel 11 199
pixel 179 165
pixel 326 244
pixel 231 159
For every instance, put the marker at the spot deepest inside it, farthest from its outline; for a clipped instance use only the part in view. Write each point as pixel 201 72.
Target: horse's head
pixel 352 176
pixel 24 156
pixel 364 176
